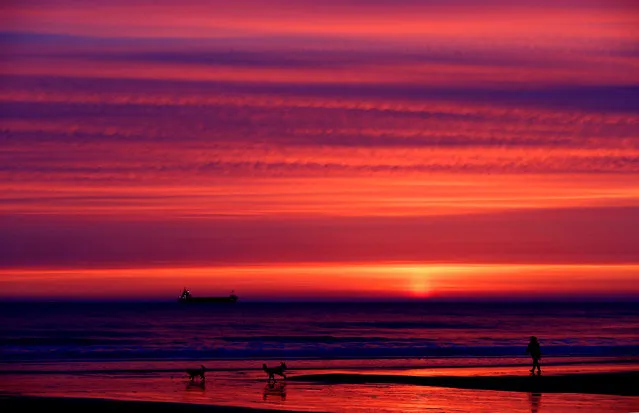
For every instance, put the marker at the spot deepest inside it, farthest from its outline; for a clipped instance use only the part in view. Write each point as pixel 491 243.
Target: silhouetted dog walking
pixel 193 373
pixel 534 349
pixel 272 371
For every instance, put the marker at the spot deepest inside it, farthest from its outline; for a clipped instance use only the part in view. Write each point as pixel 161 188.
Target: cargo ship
pixel 187 297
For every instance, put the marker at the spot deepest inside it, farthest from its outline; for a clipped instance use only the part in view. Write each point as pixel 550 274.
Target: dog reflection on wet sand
pixel 275 390
pixel 195 386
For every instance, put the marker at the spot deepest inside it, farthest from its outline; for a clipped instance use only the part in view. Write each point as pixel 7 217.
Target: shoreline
pixel 617 383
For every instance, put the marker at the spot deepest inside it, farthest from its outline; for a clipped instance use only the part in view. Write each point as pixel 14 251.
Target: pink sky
pixel 353 148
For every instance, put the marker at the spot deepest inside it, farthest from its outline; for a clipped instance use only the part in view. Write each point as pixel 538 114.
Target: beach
pixel 11 404
pixel 319 206
pixel 342 358
pixel 619 383
pixel 465 390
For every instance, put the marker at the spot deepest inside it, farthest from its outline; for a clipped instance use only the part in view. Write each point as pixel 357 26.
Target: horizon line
pixel 426 300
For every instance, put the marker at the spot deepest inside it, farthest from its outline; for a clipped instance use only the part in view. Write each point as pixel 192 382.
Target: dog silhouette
pixel 272 371
pixel 193 373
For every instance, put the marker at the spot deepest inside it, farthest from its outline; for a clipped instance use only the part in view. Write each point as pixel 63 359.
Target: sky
pixel 302 150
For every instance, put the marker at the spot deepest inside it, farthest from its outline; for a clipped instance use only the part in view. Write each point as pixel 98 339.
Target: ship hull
pixel 198 300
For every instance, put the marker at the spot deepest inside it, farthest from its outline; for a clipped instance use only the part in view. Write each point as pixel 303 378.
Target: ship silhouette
pixel 187 297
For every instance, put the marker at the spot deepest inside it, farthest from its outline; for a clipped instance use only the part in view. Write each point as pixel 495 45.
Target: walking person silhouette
pixel 534 349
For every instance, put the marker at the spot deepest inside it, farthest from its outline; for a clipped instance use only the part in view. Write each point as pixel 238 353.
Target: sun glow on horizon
pixel 322 280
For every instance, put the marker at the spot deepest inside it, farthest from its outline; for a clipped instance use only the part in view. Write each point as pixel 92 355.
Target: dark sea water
pixel 400 333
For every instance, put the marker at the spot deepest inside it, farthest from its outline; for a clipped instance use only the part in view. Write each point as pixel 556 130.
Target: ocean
pixel 442 333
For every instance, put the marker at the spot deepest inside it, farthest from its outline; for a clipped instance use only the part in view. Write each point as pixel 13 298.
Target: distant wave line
pixel 305 368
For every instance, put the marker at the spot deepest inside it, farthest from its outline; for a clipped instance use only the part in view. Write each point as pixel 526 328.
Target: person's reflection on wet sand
pixel 274 390
pixel 535 401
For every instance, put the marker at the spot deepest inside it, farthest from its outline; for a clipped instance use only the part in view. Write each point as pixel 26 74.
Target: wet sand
pixel 15 404
pixel 473 390
pixel 618 383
